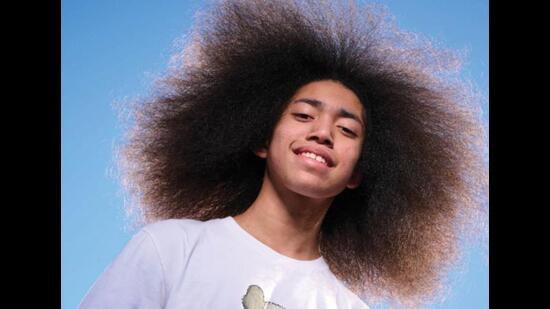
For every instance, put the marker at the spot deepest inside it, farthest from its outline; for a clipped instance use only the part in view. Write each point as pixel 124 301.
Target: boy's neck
pixel 285 221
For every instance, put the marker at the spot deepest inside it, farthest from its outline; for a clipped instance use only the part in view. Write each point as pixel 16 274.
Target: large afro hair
pixel 189 150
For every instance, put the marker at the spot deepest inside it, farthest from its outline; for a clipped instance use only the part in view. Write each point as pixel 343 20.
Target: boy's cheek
pixel 352 152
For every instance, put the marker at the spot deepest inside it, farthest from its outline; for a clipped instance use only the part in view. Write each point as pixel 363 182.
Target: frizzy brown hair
pixel 190 154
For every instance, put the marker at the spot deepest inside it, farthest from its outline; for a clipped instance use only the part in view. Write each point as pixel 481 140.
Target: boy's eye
pixel 301 116
pixel 348 131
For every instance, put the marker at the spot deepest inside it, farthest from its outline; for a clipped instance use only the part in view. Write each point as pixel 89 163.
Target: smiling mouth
pixel 313 156
pixel 316 159
pixel 318 156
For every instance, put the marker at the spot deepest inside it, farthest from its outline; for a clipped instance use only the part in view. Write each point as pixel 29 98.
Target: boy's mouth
pixel 314 157
pixel 318 155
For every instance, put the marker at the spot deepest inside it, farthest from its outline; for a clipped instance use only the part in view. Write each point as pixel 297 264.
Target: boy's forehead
pixel 328 94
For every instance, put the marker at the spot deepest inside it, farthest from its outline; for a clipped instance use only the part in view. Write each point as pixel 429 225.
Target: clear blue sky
pixel 112 50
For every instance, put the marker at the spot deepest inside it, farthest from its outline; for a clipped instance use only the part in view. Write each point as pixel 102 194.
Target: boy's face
pixel 317 142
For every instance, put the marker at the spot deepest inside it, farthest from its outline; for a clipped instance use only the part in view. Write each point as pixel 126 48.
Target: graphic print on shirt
pixel 254 299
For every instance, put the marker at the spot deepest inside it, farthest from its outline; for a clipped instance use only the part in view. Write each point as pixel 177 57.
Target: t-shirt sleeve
pixel 135 279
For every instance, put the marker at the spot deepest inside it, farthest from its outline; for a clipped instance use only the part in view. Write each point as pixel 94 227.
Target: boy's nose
pixel 322 135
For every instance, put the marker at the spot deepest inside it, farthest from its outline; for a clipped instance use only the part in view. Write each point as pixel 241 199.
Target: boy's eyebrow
pixel 319 104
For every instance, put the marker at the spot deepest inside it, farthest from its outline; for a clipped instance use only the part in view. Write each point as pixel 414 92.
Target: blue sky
pixel 113 50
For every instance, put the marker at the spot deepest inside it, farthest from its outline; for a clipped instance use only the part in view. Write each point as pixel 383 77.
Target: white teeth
pixel 314 157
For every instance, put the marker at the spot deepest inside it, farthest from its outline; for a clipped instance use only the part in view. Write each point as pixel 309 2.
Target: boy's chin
pixel 316 192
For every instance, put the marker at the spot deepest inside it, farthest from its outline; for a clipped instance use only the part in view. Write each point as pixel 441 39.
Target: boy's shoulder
pixel 174 225
pixel 169 230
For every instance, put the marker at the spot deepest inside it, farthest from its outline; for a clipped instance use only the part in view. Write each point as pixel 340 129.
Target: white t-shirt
pixel 183 263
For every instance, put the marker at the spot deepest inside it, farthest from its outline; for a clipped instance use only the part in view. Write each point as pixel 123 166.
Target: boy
pixel 302 154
